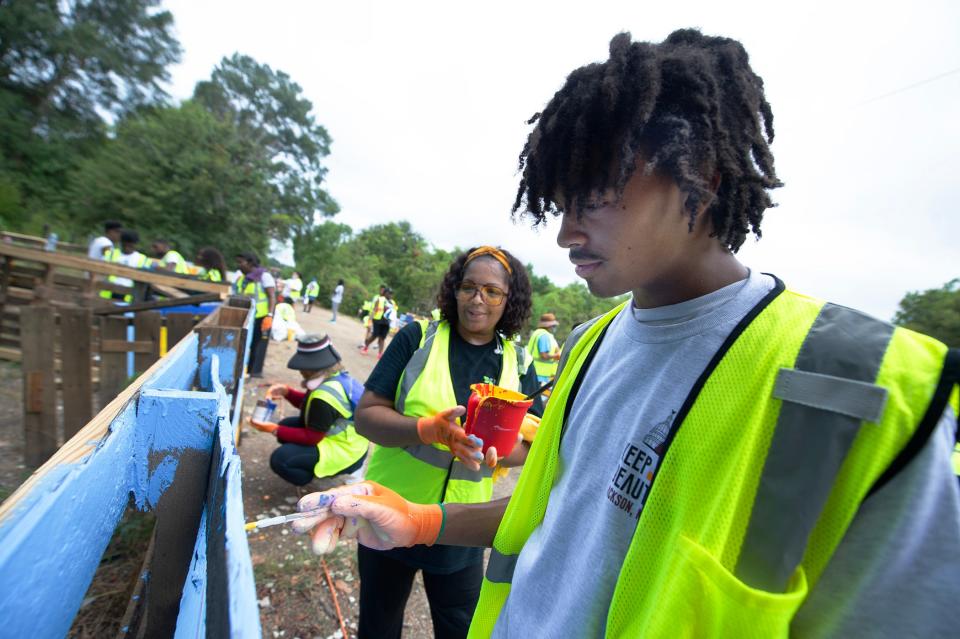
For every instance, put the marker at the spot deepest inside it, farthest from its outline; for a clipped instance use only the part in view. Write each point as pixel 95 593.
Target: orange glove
pixel 378 517
pixel 266 427
pixel 442 428
pixel 277 391
pixel 266 324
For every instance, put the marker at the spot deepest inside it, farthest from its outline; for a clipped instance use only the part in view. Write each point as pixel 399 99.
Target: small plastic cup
pixel 264 410
pixel 494 414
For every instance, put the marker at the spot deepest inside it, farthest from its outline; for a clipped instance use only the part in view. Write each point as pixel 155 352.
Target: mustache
pixel 583 255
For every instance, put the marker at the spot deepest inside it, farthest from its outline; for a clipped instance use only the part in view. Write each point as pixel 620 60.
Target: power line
pixel 911 86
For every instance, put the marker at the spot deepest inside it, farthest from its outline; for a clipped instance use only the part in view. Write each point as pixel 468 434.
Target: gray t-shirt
pixel 566 573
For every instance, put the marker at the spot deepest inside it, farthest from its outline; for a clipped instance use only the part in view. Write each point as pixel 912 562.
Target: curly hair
pixel 519 299
pixel 691 107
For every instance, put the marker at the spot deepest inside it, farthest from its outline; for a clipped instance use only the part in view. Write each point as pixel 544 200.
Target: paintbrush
pixel 282 519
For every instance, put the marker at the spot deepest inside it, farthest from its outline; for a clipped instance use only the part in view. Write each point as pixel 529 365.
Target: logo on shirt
pixel 630 485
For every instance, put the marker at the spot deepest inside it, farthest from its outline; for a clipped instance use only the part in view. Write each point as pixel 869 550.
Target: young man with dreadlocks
pixel 721 456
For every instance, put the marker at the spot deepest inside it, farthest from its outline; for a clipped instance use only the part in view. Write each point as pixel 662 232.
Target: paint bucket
pixel 264 410
pixel 494 415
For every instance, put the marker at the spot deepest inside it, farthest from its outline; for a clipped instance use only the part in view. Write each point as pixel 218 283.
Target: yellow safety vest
pixel 425 473
pixel 544 367
pixel 378 306
pixel 807 408
pixel 313 289
pixel 253 289
pixel 115 255
pixel 175 257
pixel 342 446
pixel 212 275
pixel 295 294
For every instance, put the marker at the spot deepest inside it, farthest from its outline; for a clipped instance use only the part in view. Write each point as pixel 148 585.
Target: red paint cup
pixel 494 415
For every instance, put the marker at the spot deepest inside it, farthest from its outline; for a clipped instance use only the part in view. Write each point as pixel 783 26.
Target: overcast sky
pixel 427 102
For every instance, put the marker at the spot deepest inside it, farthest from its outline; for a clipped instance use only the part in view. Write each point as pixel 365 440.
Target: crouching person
pixel 321 441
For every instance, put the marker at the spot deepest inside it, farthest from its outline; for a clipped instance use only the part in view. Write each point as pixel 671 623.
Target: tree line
pixel 90 134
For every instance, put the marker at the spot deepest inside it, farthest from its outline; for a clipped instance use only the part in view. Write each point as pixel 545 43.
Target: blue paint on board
pixel 131 337
pixel 179 367
pixel 50 551
pixel 169 422
pixel 192 618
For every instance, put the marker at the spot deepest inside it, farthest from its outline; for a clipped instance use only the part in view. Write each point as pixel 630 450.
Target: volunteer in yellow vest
pixel 310 293
pixel 321 441
pixel 126 255
pixel 292 288
pixel 258 284
pixel 414 398
pixel 167 258
pixel 543 348
pixel 721 456
pixel 213 264
pixel 379 324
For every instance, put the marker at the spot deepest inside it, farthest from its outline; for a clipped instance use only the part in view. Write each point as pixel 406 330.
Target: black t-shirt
pixel 469 364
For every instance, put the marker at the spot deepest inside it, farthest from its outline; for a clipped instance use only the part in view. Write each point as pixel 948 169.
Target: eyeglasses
pixel 489 294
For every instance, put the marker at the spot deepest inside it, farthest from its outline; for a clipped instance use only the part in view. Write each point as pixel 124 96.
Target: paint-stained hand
pixel 378 517
pixel 443 428
pixel 528 429
pixel 266 427
pixel 266 324
pixel 278 391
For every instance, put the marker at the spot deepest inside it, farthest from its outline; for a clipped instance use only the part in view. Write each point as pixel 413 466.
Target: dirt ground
pixel 295 600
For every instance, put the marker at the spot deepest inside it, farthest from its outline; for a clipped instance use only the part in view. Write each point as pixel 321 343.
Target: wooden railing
pixel 31 276
pixel 165 444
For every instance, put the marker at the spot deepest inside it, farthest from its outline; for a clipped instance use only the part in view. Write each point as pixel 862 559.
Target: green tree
pixel 269 109
pixel 935 312
pixel 179 173
pixel 62 66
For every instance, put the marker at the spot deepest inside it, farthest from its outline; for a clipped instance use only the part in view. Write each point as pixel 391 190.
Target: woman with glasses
pixel 413 401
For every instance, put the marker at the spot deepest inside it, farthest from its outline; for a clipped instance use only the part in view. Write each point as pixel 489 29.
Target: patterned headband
pixel 493 252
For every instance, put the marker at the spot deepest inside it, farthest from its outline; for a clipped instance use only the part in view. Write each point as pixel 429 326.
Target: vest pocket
pixel 704 600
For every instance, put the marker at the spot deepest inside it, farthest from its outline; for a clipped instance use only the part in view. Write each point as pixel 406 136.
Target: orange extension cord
pixel 336 603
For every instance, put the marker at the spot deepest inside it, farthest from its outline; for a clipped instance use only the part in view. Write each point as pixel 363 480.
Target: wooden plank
pixel 39 241
pixel 176 370
pixel 227 345
pixel 169 291
pixel 39 389
pixel 111 268
pixel 157 304
pixel 232 317
pixel 4 283
pixel 178 325
pixel 183 424
pixel 113 364
pixel 124 346
pixel 57 525
pixel 146 327
pixel 75 367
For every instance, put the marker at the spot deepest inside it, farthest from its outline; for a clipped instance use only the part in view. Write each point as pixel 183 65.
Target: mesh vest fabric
pixel 445 479
pixel 678 577
pixel 343 445
pixel 252 289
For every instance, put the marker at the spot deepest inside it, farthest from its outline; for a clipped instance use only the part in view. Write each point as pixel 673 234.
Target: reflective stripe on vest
pixel 544 368
pixel 253 289
pixel 429 473
pixel 342 446
pixel 728 543
pixel 180 264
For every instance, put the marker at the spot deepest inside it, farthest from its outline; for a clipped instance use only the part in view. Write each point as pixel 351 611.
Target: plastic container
pixel 263 411
pixel 494 414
